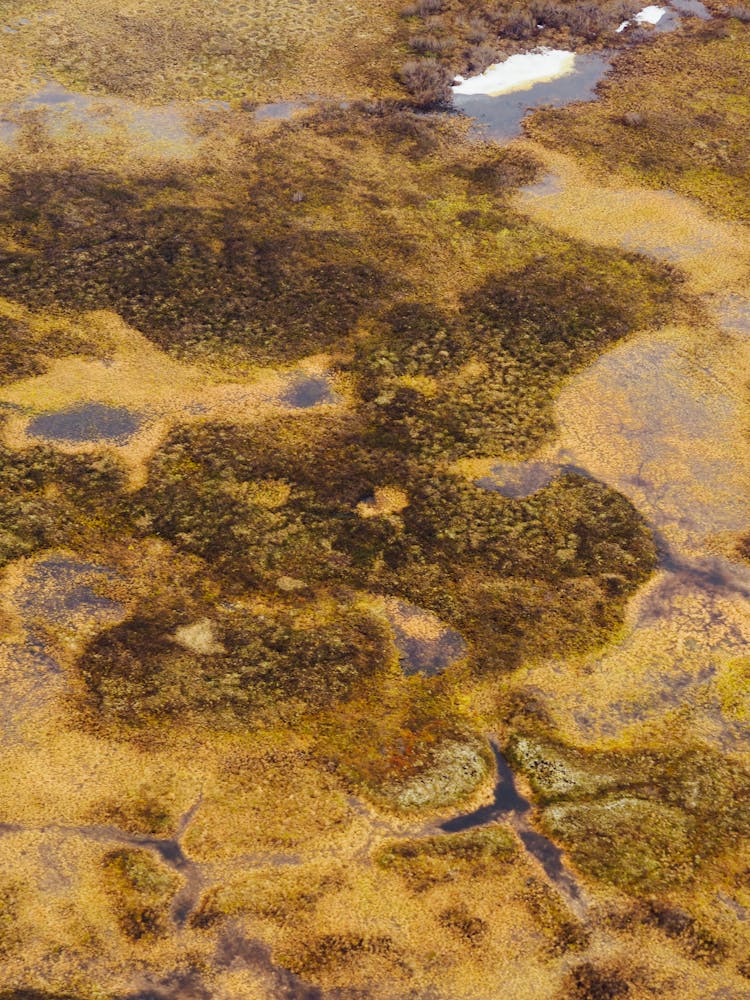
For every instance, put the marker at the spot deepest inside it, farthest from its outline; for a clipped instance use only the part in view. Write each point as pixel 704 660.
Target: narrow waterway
pixel 510 806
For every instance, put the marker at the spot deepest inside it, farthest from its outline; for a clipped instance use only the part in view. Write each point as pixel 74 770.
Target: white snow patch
pixel 519 72
pixel 649 15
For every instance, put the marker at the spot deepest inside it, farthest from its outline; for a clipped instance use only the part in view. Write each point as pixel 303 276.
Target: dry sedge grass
pixel 658 418
pixel 132 373
pixel 316 916
pixel 165 51
pixel 674 115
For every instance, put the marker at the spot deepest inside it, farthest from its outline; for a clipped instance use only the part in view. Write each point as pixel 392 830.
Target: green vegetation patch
pixel 140 889
pixel 489 566
pixel 644 820
pixel 480 380
pixel 429 861
pixel 632 843
pixel 53 500
pixel 165 664
pixel 675 115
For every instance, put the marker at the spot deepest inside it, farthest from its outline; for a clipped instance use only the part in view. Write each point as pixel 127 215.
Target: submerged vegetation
pixel 221 776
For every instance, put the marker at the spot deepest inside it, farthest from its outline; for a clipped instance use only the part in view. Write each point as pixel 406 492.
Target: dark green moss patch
pixel 52 500
pixel 593 982
pixel 466 927
pixel 488 566
pixel 245 254
pixel 563 931
pixel 233 668
pixel 140 889
pixel 429 861
pixel 335 950
pixel 25 350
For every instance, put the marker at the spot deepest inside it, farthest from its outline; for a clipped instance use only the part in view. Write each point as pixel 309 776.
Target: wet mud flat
pixel 63 111
pixel 658 417
pixel 58 593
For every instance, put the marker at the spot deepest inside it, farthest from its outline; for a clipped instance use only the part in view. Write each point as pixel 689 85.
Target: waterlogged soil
pixel 425 644
pixel 661 417
pixel 306 391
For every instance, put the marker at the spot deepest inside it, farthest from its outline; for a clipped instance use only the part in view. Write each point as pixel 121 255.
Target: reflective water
pixel 692 8
pixel 61 589
pixel 661 417
pixel 509 804
pixel 425 644
pixel 517 480
pixel 87 422
pixel 65 109
pixel 305 391
pixel 501 117
pixel 279 110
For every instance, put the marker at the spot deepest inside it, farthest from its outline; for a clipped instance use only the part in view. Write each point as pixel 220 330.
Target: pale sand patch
pixel 200 637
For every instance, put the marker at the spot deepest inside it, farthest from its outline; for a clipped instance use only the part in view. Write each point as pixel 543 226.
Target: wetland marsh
pixel 374 502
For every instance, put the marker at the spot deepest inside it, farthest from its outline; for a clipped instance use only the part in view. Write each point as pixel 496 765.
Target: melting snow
pixel 649 15
pixel 518 73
